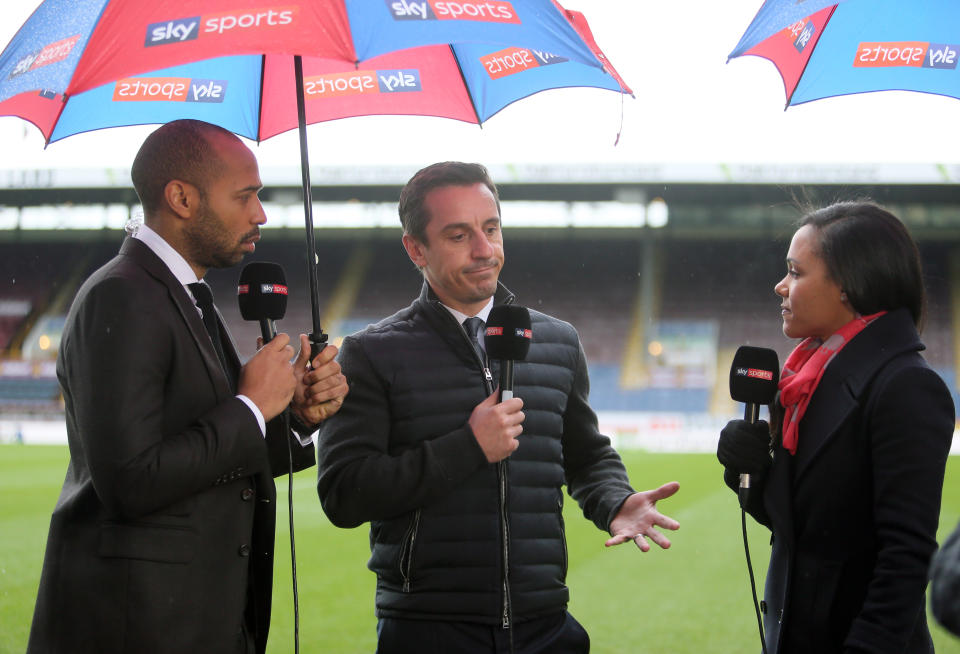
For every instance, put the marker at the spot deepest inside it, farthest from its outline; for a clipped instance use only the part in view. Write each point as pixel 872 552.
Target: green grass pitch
pixel 693 598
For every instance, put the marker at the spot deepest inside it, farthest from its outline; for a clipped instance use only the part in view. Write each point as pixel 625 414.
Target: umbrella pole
pixel 318 340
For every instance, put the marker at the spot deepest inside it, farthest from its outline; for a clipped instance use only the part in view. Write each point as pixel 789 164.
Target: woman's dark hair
pixel 871 255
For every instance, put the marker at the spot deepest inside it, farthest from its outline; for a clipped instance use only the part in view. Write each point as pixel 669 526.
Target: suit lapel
pixel 149 261
pixel 823 418
pixel 229 350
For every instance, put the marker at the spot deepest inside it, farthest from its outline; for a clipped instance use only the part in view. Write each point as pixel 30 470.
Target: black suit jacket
pixel 854 514
pixel 162 538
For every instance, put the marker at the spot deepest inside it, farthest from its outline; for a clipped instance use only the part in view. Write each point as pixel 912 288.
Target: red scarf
pixel 803 370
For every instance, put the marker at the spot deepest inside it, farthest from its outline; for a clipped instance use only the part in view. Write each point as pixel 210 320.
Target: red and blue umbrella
pixel 252 95
pixel 259 69
pixel 824 49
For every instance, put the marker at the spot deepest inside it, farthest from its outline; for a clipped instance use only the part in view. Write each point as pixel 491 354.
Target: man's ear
pixel 415 250
pixel 181 197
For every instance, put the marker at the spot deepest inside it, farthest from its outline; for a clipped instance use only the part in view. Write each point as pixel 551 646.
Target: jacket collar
pixel 428 297
pixel 446 325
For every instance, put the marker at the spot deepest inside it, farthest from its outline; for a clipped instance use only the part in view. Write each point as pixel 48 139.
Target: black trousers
pixel 555 634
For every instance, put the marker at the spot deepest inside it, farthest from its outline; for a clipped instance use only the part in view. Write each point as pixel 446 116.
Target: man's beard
pixel 210 243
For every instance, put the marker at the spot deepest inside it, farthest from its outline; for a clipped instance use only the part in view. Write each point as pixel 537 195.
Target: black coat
pixel 854 514
pixel 450 532
pixel 162 539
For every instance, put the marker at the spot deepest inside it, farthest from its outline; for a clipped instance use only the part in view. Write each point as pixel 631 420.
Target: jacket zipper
pixel 505 535
pixel 406 551
pixel 502 478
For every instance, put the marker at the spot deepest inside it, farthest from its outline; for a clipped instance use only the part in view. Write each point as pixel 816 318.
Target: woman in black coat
pixel 850 475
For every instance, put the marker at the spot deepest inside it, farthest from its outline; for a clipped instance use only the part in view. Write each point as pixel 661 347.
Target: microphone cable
pixel 753 581
pixel 293 544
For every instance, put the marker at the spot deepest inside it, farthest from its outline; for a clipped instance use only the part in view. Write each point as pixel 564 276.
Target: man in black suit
pixel 162 539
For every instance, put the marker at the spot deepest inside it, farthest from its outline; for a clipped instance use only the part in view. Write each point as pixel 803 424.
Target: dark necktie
pixel 472 326
pixel 204 297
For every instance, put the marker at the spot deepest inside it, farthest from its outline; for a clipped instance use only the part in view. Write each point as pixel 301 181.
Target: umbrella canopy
pixel 824 49
pixel 252 95
pixel 70 46
pixel 79 65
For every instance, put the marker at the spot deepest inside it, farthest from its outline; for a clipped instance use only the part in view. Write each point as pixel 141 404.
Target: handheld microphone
pixel 507 338
pixel 262 295
pixel 753 380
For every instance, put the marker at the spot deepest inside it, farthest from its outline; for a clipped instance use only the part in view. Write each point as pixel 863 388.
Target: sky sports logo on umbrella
pixel 169 89
pixel 915 54
pixel 356 82
pixel 516 60
pixel 801 33
pixel 49 54
pixel 188 29
pixel 491 11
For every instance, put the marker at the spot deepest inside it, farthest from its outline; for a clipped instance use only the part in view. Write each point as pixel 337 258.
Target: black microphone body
pixel 506 379
pixel 268 329
pixel 262 295
pixel 753 380
pixel 507 338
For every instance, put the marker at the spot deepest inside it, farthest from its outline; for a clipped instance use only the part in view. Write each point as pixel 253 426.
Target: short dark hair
pixel 413 215
pixel 870 254
pixel 177 150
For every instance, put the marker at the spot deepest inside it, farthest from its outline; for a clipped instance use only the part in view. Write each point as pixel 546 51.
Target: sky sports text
pixel 491 11
pixel 755 373
pixel 188 29
pixel 801 33
pixel 169 89
pixel 919 54
pixel 49 54
pixel 356 82
pixel 514 60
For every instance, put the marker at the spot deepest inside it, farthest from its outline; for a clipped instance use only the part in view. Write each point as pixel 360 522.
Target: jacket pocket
pixel 161 543
pixel 406 551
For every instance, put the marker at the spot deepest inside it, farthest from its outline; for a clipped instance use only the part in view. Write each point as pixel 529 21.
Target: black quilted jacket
pixel 453 537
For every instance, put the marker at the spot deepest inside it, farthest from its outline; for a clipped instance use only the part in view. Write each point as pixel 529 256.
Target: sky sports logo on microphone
pixel 911 54
pixel 491 11
pixel 265 289
pixel 356 82
pixel 755 373
pixel 169 89
pixel 180 30
pixel 516 60
pixel 519 332
pixel 273 289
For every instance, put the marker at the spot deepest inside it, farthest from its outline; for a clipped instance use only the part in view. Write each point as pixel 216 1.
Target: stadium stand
pixel 724 286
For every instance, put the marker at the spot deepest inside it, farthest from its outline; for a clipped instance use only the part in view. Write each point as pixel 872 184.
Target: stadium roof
pixel 638 173
pixel 727 200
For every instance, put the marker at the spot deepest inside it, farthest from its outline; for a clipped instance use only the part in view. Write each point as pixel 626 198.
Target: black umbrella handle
pixel 317 343
pixel 318 340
